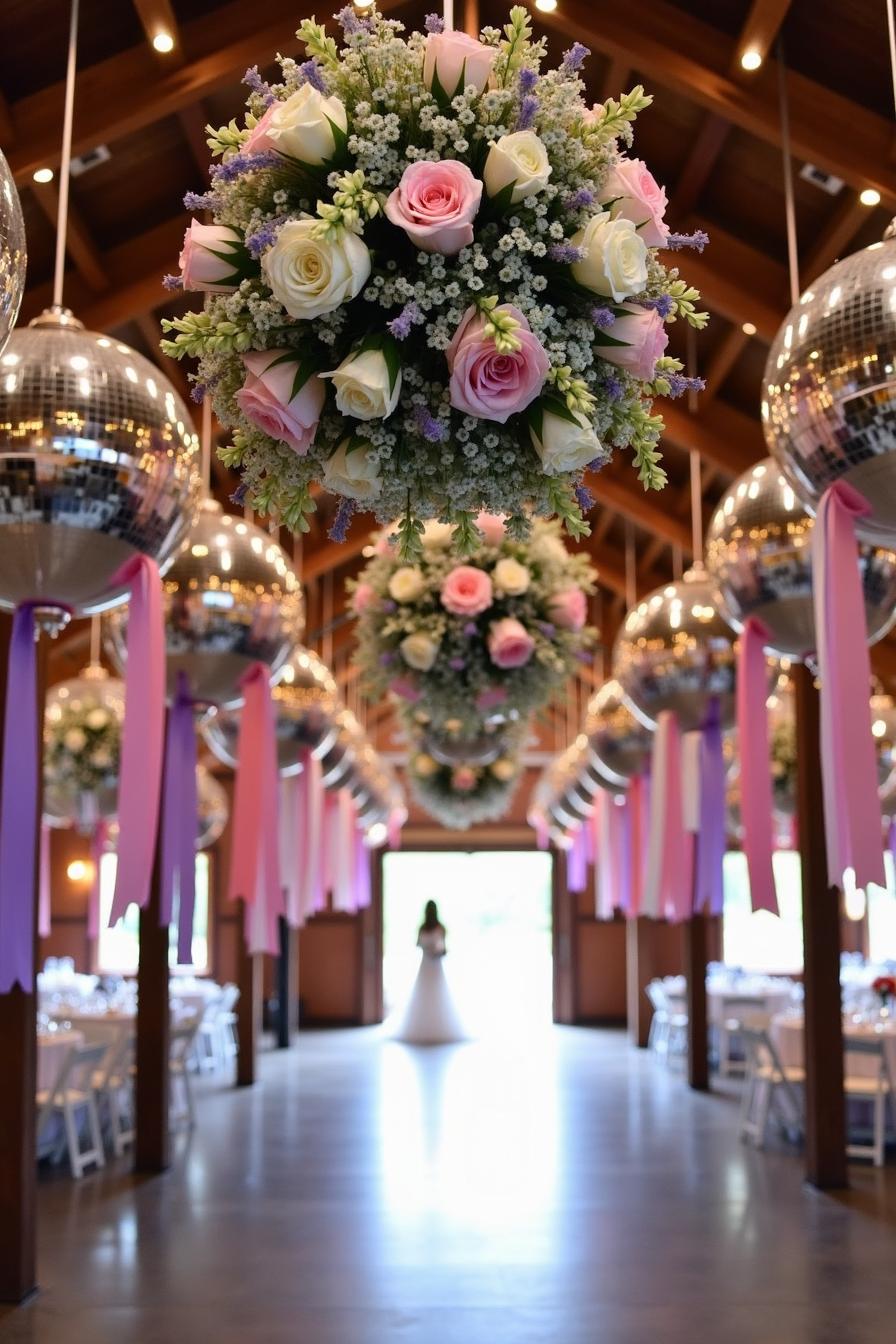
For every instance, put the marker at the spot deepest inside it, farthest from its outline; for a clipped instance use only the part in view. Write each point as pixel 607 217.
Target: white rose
pixel 303 127
pixel 75 740
pixel 615 257
pixel 520 158
pixel 511 577
pixel 407 584
pixel 364 387
pixel 311 276
pixel 419 651
pixel 550 548
pixel 503 769
pixel 437 536
pixel 564 440
pixel 97 718
pixel 424 765
pixel 350 472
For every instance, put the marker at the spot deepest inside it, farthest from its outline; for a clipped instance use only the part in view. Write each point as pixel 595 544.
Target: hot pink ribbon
pixel 849 769
pixel 344 854
pixel 668 880
pixel 44 898
pixel 577 862
pixel 255 858
pixel 393 827
pixel 142 735
pixel 755 776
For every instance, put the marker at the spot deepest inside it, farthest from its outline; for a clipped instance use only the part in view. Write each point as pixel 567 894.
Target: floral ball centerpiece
pixel 466 641
pixel 461 795
pixel 433 281
pixel 82 749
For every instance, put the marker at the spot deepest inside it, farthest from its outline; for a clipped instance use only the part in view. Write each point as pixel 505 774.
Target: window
pixel 118 947
pixel 882 916
pixel 759 941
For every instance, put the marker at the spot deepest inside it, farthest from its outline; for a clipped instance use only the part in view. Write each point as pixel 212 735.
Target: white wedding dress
pixel 430 1017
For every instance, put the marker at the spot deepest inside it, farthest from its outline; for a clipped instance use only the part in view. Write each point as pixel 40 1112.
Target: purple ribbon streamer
pixel 179 822
pixel 577 862
pixel 710 846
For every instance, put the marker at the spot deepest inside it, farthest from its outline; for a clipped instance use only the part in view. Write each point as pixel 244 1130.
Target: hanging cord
pixel 95 641
pixel 601 659
pixel 65 165
pixel 631 581
pixel 448 15
pixel 205 450
pixel 793 256
pixel 891 35
pixel 696 507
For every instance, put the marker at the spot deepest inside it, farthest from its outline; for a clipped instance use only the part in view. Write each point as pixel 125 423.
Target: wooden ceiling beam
pixel 759 32
pixel 158 16
pixel 723 362
pixel 737 281
pixel 615 79
pixel 848 218
pixel 334 555
pixel 625 495
pixel 722 435
pixel 79 245
pixel 702 159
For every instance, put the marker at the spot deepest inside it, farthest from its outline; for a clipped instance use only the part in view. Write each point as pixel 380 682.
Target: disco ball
pixel 82 749
pixel 213 810
pixel 618 743
pixel 759 552
pixel 97 464
pixel 452 749
pixel 306 702
pixel 337 763
pixel 12 253
pixel 675 652
pixel 231 600
pixel 829 389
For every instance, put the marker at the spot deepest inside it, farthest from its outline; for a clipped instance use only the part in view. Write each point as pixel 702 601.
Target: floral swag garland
pixel 432 283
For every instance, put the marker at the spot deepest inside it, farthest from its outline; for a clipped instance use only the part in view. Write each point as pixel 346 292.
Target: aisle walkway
pixel 567 1192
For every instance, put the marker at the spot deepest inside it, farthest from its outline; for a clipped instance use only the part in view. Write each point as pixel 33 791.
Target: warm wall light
pixel 751 59
pixel 749 329
pixel 163 42
pixel 43 175
pixel 870 196
pixel 363 4
pixel 79 870
pixel 546 6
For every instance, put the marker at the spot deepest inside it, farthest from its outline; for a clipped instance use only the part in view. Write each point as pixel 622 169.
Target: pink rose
pixel 213 258
pixel 643 338
pixel 569 608
pixel 632 192
pixel 487 383
pixel 406 689
pixel 463 778
pixel 435 204
pixel 466 591
pixel 258 140
pixel 362 597
pixel 492 528
pixel 509 643
pixel 270 399
pixel 453 60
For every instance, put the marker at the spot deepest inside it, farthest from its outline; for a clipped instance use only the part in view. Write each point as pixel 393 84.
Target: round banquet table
pixel 52 1048
pixel 786 1033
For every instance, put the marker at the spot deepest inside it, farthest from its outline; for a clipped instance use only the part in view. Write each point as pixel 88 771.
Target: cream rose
pixel 305 126
pixel 519 158
pixel 97 718
pixel 503 768
pixel 564 440
pixel 364 387
pixel 419 651
pixel 311 276
pixel 510 577
pixel 75 740
pixel 351 472
pixel 437 536
pixel 424 765
pixel 614 260
pixel 407 584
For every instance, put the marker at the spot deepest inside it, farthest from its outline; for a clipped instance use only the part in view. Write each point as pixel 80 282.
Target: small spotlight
pixel 870 196
pixel 43 175
pixel 163 42
pixel 546 6
pixel 363 4
pixel 749 329
pixel 751 59
pixel 79 871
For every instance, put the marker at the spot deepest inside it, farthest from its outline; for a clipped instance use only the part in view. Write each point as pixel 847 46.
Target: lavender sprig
pixel 584 498
pixel 565 253
pixel 240 164
pixel 172 282
pixel 434 23
pixel 205 200
pixel 679 384
pixel 697 240
pixel 574 59
pixel 663 304
pixel 614 387
pixel 432 429
pixel 253 80
pixel 400 326
pixel 265 237
pixel 603 317
pixel 239 495
pixel 579 200
pixel 344 514
pixel 313 75
pixel 528 80
pixel 528 108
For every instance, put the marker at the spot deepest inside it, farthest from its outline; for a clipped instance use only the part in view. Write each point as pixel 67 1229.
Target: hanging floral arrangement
pixel 82 753
pixel 464 640
pixel 433 281
pixel 463 794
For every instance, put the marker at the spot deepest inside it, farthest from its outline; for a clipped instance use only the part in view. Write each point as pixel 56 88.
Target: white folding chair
pixel 72 1097
pixel 208 1051
pixel 733 1008
pixel 118 1092
pixel 767 1080
pixel 227 1022
pixel 181 1101
pixel 875 1086
pixel 658 1035
pixel 677 1047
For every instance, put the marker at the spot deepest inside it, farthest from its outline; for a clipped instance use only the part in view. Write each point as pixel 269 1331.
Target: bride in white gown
pixel 430 1017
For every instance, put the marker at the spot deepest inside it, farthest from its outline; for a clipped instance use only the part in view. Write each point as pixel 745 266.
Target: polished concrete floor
pixel 563 1190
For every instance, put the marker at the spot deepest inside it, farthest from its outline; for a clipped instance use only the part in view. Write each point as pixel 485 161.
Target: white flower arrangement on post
pixel 433 282
pixel 82 754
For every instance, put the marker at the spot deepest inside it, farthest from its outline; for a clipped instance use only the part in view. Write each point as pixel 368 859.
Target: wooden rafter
pixel 79 245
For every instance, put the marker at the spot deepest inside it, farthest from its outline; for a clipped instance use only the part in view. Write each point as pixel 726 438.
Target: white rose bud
pixel 350 472
pixel 614 260
pixel 437 536
pixel 96 719
pixel 519 158
pixel 407 584
pixel 311 276
pixel 563 439
pixel 365 387
pixel 510 577
pixel 424 765
pixel 419 651
pixel 75 740
pixel 304 126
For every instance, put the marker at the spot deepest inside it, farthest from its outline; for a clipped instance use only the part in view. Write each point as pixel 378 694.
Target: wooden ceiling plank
pixel 737 281
pixel 704 156
pixel 636 504
pixel 723 436
pixel 849 217
pixel 723 362
pixel 617 76
pixel 79 245
pixel 158 16
pixel 333 555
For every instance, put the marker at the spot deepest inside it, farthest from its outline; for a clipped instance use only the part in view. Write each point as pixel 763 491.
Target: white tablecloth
pixel 787 1037
pixel 52 1048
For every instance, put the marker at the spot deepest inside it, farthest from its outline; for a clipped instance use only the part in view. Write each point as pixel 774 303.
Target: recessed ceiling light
pixel 363 4
pixel 546 6
pixel 748 329
pixel 163 42
pixel 43 175
pixel 870 196
pixel 751 59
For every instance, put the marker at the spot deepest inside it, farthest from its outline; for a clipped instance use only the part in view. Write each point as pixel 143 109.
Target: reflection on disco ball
pixel 231 599
pixel 213 808
pixel 829 389
pixel 306 703
pixel 759 553
pixel 12 253
pixel 675 652
pixel 97 464
pixel 619 743
pixel 338 761
pixel 82 742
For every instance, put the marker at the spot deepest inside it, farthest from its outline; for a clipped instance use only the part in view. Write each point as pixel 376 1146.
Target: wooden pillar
pixel 695 959
pixel 825 1104
pixel 18 1069
pixel 248 1013
pixel 152 1147
pixel 285 1004
pixel 638 974
pixel 563 916
pixel 371 935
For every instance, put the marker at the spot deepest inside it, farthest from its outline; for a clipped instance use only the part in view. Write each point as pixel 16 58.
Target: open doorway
pixel 496 908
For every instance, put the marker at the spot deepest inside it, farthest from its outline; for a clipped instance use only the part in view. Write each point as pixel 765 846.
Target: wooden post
pixel 151 1084
pixel 248 1013
pixel 18 1069
pixel 371 937
pixel 825 1103
pixel 638 974
pixel 695 958
pixel 564 941
pixel 284 986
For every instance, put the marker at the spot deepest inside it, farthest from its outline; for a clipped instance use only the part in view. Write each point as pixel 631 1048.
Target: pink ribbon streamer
pixel 540 826
pixel 44 900
pixel 393 828
pixel 668 880
pixel 756 802
pixel 291 819
pixel 849 769
pixel 343 853
pixel 577 862
pixel 142 736
pixel 254 861
pixel 607 889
